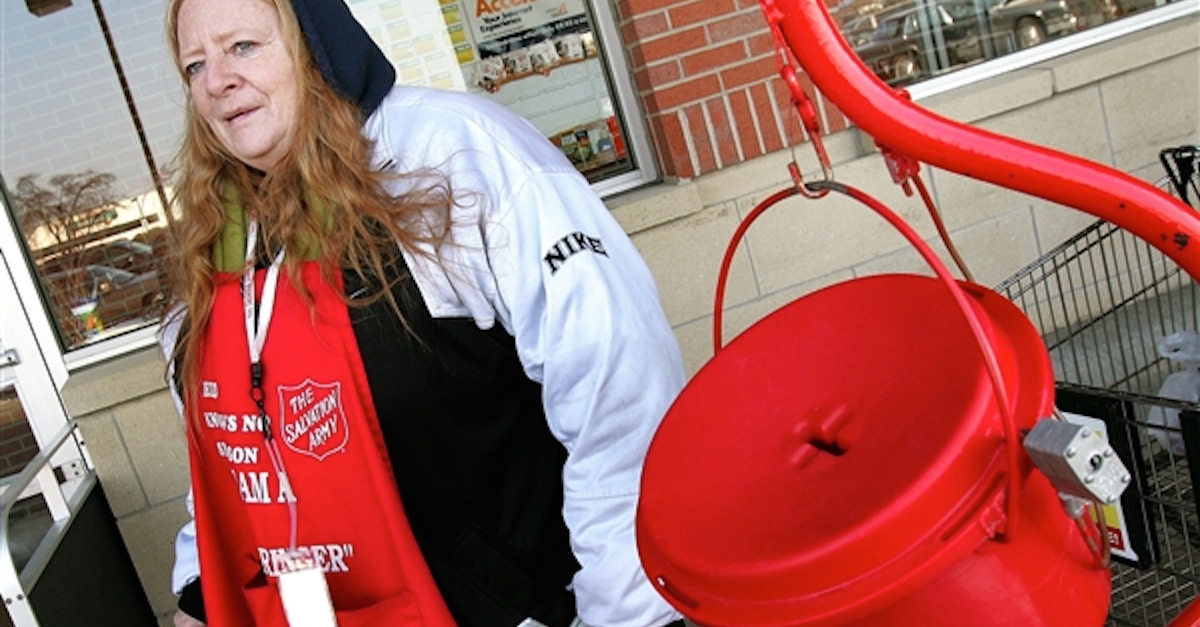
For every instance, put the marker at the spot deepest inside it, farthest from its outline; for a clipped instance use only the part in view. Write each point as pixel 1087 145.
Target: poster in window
pixel 413 36
pixel 537 58
pixel 500 41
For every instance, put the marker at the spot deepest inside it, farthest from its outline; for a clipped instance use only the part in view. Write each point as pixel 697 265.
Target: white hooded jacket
pixel 535 251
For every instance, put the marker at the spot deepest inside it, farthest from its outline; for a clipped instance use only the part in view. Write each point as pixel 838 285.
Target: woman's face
pixel 241 76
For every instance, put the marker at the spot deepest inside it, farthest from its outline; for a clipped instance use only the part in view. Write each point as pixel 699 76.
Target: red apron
pixel 323 423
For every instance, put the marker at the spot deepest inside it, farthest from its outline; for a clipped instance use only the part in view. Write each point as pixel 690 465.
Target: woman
pixel 398 295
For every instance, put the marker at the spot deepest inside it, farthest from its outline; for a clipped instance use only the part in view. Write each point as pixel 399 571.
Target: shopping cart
pixel 1103 301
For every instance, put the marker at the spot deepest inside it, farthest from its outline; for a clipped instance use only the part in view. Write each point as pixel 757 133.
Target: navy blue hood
pixel 346 55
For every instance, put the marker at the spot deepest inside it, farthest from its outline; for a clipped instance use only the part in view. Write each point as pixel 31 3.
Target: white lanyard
pixel 257 325
pixel 302 589
pixel 256 337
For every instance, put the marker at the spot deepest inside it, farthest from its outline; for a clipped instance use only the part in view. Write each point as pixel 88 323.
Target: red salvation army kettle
pixel 844 461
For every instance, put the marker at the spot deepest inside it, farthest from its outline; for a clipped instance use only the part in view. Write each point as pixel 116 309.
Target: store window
pixel 547 60
pixel 910 41
pixel 91 112
pixel 91 115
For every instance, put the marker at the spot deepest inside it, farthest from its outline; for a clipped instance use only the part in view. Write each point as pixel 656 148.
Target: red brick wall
pixel 17 445
pixel 706 74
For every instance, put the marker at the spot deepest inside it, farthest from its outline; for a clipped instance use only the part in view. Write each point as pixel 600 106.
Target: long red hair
pixel 323 191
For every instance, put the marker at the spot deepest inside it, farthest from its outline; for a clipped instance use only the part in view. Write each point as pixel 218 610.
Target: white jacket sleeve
pixel 187 558
pixel 536 250
pixel 590 327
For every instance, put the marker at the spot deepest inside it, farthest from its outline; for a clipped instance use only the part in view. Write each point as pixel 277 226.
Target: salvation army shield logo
pixel 313 421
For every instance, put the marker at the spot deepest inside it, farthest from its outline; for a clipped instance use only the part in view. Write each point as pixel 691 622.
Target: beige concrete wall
pixel 135 439
pixel 1117 103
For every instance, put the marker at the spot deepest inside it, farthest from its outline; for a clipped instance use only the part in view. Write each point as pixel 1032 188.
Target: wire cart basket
pixel 1104 301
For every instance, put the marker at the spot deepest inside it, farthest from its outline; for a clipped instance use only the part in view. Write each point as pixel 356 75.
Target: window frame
pixel 627 105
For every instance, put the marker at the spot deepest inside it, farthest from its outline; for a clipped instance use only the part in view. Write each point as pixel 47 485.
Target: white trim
pixel 111 348
pixel 27 298
pixel 31 373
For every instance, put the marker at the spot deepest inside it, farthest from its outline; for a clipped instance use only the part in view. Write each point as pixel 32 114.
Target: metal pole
pixel 133 112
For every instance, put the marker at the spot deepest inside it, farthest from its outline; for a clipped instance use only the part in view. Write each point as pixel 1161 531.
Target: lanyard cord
pixel 258 316
pixel 258 321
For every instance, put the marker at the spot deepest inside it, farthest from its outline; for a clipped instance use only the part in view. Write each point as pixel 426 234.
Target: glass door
pixel 62 559
pixel 43 467
pixel 92 109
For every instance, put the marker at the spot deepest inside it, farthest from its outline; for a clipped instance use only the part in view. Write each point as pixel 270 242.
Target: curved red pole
pixel 1131 204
